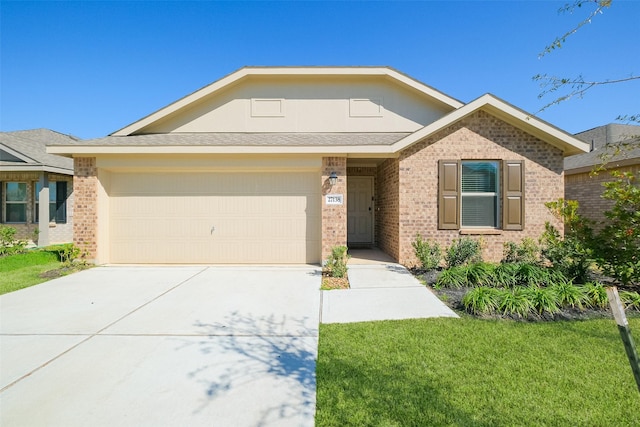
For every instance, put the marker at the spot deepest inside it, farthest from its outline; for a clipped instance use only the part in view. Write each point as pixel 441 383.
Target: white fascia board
pixel 286 71
pixel 17 154
pixel 569 144
pixel 37 168
pixel 91 150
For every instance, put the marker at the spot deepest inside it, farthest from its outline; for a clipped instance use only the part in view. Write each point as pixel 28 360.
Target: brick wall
pixel 387 207
pixel 58 233
pixel 587 189
pixel 479 136
pixel 334 217
pixel 85 224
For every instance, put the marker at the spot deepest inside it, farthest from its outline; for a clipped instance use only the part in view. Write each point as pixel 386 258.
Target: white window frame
pixel 6 202
pixel 494 194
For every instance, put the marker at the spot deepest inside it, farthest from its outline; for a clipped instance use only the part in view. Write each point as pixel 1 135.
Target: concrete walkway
pixel 380 290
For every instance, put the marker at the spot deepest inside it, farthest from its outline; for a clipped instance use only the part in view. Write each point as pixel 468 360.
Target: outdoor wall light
pixel 333 179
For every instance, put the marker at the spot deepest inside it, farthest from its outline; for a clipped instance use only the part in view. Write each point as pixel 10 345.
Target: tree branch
pixel 569 8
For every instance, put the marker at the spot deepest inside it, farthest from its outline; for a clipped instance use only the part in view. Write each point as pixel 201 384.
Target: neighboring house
pixel 278 165
pixel 586 187
pixel 36 188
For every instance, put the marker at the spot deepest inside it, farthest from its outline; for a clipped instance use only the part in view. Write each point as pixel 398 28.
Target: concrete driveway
pixel 162 346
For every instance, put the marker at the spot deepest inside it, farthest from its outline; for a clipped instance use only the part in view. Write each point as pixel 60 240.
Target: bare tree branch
pixel 569 8
pixel 578 87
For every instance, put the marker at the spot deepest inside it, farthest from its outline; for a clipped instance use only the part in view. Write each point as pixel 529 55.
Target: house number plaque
pixel 334 199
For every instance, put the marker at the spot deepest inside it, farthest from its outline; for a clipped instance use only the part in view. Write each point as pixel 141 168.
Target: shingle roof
pixel 243 139
pixel 31 144
pixel 602 138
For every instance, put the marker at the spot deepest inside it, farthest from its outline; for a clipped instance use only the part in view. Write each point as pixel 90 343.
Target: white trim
pixel 567 143
pixel 37 168
pixel 17 154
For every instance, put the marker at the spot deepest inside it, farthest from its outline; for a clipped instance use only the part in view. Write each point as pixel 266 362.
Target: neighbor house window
pixel 15 202
pixel 479 203
pixel 57 202
pixel 481 194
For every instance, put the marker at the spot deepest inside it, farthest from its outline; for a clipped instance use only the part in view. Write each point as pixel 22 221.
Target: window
pixel 57 202
pixel 481 194
pixel 15 198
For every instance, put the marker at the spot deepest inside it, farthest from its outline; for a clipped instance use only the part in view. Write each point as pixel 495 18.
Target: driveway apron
pixel 162 346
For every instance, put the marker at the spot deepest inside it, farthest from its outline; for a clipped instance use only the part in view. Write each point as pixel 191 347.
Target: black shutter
pixel 61 202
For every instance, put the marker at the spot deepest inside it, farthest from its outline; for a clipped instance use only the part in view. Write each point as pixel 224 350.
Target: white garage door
pixel 214 217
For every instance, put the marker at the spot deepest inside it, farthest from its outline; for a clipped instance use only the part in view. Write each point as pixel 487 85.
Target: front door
pixel 359 210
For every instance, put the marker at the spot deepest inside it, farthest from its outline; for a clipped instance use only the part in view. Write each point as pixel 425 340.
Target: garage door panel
pixel 215 218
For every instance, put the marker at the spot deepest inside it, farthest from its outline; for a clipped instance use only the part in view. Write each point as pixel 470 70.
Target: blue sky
pixel 90 68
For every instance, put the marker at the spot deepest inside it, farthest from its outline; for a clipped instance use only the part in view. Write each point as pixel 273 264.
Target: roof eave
pixel 93 150
pixel 569 144
pixel 37 168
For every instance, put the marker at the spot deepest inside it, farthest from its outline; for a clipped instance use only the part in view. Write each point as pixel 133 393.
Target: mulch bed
pixel 62 271
pixel 453 299
pixel 329 282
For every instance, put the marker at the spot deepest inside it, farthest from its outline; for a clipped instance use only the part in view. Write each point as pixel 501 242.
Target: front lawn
pixel 23 270
pixel 471 372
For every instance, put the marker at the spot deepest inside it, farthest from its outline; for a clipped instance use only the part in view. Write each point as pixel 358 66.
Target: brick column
pixel 334 217
pixel 85 207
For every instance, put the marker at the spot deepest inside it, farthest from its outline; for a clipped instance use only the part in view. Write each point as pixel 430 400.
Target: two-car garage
pixel 213 217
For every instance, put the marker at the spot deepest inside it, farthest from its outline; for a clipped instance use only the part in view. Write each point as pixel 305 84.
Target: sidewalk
pixel 381 290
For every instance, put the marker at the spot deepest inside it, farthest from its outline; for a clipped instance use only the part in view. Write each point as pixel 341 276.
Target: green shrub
pixel 463 251
pixel 68 253
pixel 617 244
pixel 572 254
pixel 543 299
pixel 506 275
pixel 481 300
pixel 527 252
pixel 455 277
pixel 596 295
pixel 336 263
pixel 427 253
pixel 479 274
pixel 631 300
pixel 569 294
pixel 515 302
pixel 9 245
pixel 532 275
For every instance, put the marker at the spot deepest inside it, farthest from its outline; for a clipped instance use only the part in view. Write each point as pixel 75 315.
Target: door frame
pixel 372 235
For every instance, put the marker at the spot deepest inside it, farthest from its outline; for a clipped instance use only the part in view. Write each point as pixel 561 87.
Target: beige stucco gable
pixel 306 99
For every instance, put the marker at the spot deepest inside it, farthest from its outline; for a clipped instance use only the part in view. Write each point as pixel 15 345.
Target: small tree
pixel 572 253
pixel 617 245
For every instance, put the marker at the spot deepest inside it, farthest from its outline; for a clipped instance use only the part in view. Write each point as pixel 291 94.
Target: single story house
pixel 586 187
pixel 280 164
pixel 36 188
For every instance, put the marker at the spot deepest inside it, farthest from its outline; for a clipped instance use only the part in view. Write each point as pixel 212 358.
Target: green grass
pixel 23 270
pixel 470 372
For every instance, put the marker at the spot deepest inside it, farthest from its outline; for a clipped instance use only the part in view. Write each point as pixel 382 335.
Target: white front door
pixel 359 209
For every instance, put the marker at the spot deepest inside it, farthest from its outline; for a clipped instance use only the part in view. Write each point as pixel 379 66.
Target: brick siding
pixel 334 217
pixel 484 137
pixel 587 189
pixel 85 224
pixel 387 208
